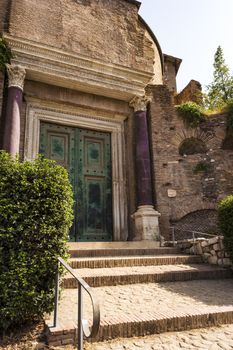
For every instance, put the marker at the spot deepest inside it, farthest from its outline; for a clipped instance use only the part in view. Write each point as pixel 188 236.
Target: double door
pixel 86 154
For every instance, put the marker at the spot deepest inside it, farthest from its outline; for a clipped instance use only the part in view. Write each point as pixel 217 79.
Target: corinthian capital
pixel 139 103
pixel 16 75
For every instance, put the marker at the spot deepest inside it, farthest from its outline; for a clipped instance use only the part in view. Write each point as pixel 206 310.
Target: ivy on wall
pixel 191 114
pixel 5 54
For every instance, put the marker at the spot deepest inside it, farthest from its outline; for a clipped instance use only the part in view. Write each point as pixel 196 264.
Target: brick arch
pixel 192 145
pixel 195 205
pixel 204 220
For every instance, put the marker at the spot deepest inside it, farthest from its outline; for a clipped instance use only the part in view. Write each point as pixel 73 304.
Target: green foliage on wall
pixel 5 54
pixel 202 167
pixel 191 113
pixel 225 212
pixel 35 217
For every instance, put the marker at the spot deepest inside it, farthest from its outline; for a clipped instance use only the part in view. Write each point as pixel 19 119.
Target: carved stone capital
pixel 16 75
pixel 139 103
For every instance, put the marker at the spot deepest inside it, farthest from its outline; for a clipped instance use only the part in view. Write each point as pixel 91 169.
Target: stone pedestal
pixel 16 76
pixel 146 217
pixel 147 223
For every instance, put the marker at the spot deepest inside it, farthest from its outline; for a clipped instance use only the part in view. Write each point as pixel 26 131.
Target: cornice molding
pixel 53 66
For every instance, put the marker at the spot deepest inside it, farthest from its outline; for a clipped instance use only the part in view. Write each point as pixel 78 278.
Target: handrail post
pixel 173 235
pixel 56 298
pixel 193 233
pixel 80 316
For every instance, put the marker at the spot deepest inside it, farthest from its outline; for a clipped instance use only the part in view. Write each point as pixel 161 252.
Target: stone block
pixel 216 247
pixel 204 243
pixel 220 262
pixel 213 240
pixel 226 262
pixel 198 248
pixel 221 254
pixel 206 256
pixel 213 260
pixel 213 252
pixel 146 223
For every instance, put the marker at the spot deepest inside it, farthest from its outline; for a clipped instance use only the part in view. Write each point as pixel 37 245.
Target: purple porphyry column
pixel 16 76
pixel 144 185
pixel 146 217
pixel 143 175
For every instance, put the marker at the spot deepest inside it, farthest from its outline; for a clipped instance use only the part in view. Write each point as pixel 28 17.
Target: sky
pixel 192 30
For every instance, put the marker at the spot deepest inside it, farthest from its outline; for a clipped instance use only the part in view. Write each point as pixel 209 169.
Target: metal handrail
pixel 173 228
pixel 83 328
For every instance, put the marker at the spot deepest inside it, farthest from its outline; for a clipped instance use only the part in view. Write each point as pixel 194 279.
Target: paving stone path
pixel 216 338
pixel 139 301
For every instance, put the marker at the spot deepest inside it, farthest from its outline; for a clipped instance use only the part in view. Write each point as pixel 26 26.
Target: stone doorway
pixel 86 154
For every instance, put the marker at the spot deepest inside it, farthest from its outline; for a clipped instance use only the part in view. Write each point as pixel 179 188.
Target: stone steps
pixel 129 281
pixel 146 274
pixel 124 251
pixel 109 262
pixel 141 309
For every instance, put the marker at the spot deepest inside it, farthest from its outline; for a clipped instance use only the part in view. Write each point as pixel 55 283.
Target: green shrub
pixel 191 113
pixel 225 212
pixel 35 217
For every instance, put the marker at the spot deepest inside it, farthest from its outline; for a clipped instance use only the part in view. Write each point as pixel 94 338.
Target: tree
pixel 220 91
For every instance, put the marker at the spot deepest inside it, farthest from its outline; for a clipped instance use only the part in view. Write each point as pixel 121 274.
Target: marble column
pixel 146 217
pixel 16 76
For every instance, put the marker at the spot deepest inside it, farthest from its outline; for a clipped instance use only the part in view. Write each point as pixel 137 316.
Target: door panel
pixel 95 180
pixel 86 154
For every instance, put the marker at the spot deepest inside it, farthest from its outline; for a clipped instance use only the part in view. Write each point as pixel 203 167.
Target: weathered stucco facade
pixel 88 66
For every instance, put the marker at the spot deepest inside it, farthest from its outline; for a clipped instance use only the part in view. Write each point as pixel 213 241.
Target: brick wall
pixel 4 15
pixel 179 189
pixel 108 30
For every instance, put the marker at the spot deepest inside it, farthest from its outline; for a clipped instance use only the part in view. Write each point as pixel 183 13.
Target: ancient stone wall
pixel 186 183
pixel 106 30
pixel 192 92
pixel 212 250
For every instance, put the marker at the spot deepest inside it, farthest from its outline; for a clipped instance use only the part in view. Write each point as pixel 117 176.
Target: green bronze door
pixel 86 154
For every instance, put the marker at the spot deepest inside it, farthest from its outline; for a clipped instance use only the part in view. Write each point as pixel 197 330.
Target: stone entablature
pixel 57 67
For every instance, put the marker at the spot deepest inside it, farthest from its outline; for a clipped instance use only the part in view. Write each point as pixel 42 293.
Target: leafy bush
pixel 191 113
pixel 35 217
pixel 225 212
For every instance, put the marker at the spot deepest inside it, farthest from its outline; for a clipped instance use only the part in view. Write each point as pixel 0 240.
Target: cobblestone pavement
pixel 216 338
pixel 152 300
